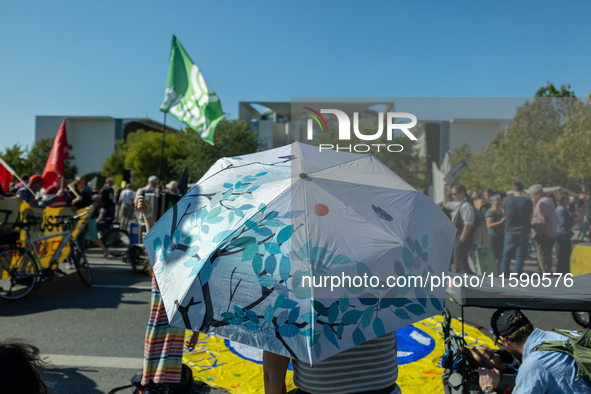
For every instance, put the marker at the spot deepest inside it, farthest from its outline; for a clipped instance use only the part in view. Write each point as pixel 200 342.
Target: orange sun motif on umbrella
pixel 320 210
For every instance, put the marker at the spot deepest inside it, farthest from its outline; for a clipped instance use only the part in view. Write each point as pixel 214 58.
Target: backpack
pixel 577 347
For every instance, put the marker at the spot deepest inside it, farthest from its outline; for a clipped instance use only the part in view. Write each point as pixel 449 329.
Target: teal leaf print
pixel 228 315
pixel 249 252
pixel 321 309
pixel 253 317
pixel 288 330
pixel 318 349
pixel 213 213
pixel 265 231
pixel 176 237
pixel 333 313
pixel 279 301
pixel 266 280
pixel 425 241
pixel 358 337
pixel 400 302
pixel 288 304
pixel 274 223
pixel 436 304
pixel 398 268
pixel 402 314
pixel 272 248
pixel 222 235
pixel 157 244
pixel 282 318
pixel 293 315
pixel 366 317
pixel 285 268
pixel 284 234
pixel 238 311
pixel 271 215
pixel 270 264
pixel 343 304
pixel 378 327
pixel 216 219
pixel 262 207
pixel 269 311
pixel 306 333
pixel 228 185
pixel 329 334
pixel 351 317
pixel 242 242
pixel 251 225
pixel 418 249
pixel 308 317
pixel 408 258
pixel 251 326
pixel 340 329
pixel 257 264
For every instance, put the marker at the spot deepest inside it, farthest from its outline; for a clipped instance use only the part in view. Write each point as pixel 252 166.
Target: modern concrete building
pixel 93 138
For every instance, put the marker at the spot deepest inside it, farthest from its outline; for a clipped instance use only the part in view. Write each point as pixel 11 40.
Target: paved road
pixel 93 337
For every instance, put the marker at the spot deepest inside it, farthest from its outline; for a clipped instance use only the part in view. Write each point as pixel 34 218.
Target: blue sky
pixel 111 58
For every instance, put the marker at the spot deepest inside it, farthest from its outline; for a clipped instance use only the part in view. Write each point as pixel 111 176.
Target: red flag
pixel 5 174
pixel 59 153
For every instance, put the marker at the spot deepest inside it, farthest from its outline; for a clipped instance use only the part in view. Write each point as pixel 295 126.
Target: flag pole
pixel 162 147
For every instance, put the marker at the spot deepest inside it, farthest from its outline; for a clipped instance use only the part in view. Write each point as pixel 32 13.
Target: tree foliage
pixel 140 152
pixel 547 143
pixel 33 161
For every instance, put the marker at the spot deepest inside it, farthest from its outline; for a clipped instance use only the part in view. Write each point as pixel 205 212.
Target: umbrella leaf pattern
pixel 236 229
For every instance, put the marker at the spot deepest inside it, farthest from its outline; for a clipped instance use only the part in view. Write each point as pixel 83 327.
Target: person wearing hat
pixel 172 187
pixel 540 371
pixel 35 184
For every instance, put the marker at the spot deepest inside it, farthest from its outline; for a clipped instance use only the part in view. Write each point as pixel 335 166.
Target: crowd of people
pixel 510 224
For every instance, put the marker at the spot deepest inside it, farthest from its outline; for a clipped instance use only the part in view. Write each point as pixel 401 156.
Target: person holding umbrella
pixel 163 349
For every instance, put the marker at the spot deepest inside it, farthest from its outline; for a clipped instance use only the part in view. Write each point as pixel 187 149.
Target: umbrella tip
pixel 303 175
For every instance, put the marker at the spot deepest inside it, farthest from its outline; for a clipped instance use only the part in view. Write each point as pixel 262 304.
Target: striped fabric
pixel 366 367
pixel 163 348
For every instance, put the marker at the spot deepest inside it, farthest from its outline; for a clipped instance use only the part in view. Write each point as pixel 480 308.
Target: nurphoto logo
pixel 345 129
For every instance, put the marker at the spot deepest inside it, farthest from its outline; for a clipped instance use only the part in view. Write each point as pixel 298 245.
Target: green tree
pixel 33 161
pixel 140 152
pixel 551 91
pixel 16 158
pixel 574 146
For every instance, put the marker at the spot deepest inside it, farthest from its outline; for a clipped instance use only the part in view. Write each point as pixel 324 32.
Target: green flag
pixel 188 97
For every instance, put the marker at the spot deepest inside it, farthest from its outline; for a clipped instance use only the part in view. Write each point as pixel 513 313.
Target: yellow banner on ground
pixel 46 222
pixel 238 369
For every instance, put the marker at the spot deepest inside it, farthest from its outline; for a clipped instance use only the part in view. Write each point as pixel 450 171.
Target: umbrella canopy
pixel 254 251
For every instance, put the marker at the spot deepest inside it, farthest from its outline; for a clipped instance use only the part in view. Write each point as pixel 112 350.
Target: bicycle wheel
pixel 19 274
pixel 78 258
pixel 138 259
pixel 582 319
pixel 117 241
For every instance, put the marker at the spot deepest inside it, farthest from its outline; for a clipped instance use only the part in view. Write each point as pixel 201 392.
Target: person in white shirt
pixel 463 218
pixel 126 199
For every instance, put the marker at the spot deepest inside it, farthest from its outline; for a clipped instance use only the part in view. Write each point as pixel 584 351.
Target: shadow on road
pixel 70 381
pixel 69 292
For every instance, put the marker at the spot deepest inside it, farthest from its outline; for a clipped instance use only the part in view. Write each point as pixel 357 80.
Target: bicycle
pixel 114 238
pixel 21 270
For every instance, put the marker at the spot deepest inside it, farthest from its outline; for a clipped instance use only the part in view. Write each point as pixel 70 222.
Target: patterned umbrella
pixel 300 252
